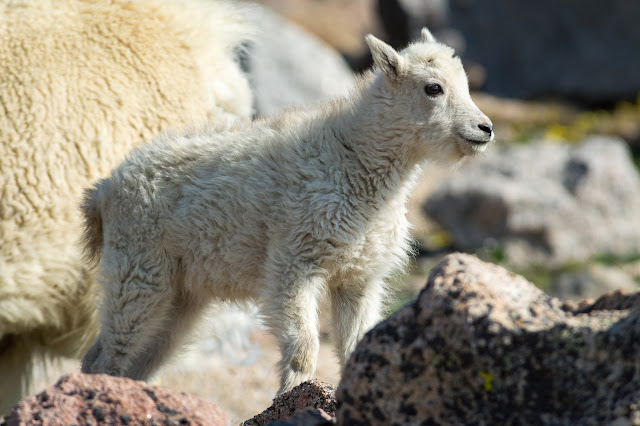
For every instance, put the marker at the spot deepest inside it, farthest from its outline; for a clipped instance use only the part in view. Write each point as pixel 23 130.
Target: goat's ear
pixel 427 37
pixel 385 57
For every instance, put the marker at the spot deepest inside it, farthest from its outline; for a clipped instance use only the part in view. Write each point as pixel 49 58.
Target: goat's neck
pixel 376 146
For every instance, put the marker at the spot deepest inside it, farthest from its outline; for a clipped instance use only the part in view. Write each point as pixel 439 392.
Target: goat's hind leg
pixel 137 304
pixel 185 312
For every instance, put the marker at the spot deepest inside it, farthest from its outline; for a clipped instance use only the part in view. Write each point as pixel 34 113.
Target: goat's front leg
pixel 356 308
pixel 290 309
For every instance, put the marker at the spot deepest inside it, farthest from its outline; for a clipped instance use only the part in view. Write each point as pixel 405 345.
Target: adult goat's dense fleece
pixel 81 83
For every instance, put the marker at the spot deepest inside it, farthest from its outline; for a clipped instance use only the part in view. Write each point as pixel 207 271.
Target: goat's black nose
pixel 487 128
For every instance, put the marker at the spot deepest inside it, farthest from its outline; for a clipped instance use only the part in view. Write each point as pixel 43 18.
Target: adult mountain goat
pixel 82 82
pixel 278 212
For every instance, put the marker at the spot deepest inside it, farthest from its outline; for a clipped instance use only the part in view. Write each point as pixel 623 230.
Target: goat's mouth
pixel 473 145
pixel 476 140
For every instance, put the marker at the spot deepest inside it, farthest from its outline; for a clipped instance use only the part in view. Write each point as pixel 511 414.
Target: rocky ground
pixel 241 386
pixel 480 345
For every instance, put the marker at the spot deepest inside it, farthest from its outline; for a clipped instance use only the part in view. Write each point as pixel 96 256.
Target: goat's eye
pixel 433 89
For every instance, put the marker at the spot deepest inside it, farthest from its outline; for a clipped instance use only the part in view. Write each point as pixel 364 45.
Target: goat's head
pixel 427 85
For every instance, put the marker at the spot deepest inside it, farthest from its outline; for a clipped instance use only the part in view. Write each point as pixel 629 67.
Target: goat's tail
pixel 92 237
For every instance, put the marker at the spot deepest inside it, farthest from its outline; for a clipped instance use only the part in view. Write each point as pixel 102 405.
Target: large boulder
pixel 289 66
pixel 484 346
pixel 591 282
pixel 583 49
pixel 545 203
pixel 101 399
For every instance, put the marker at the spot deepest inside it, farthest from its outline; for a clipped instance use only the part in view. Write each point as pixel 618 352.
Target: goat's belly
pixel 226 272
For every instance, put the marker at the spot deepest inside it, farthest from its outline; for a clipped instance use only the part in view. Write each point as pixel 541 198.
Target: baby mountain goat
pixel 279 212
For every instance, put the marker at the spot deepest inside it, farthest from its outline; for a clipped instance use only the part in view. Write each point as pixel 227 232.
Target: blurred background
pixel 556 199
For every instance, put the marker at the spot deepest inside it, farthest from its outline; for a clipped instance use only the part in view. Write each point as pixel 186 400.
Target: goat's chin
pixel 451 151
pixel 446 154
pixel 469 148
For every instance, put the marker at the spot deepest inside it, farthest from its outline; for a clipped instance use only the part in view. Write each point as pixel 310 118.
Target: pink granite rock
pixel 484 346
pixel 84 399
pixel 312 394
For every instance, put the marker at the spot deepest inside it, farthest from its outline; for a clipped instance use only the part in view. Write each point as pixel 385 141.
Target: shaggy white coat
pixel 279 211
pixel 82 82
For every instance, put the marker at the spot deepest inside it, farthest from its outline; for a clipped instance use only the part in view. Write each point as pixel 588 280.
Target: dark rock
pixel 582 49
pixel 403 20
pixel 101 399
pixel 312 394
pixel 484 346
pixel 290 67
